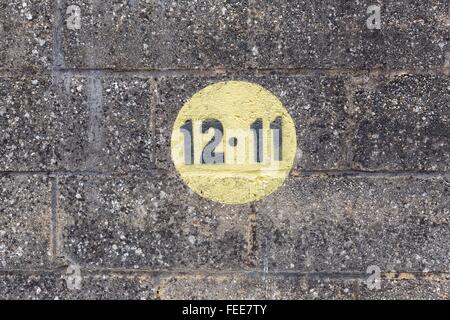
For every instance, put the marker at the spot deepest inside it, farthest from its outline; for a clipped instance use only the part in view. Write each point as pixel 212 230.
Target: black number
pixel 186 129
pixel 257 128
pixel 277 133
pixel 209 156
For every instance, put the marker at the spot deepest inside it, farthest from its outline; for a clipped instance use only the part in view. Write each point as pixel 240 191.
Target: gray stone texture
pixel 402 123
pixel 158 34
pixel 75 124
pixel 54 286
pixel 213 287
pixel 86 176
pixel 414 289
pixel 336 224
pixel 26 123
pixel 115 286
pixel 333 34
pixel 256 34
pixel 259 287
pixel 149 222
pixel 294 287
pixel 111 126
pixel 26 35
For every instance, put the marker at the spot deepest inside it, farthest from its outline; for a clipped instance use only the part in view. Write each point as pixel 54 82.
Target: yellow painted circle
pixel 233 142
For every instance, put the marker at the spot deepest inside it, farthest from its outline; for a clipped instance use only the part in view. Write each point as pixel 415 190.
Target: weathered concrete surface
pixel 256 287
pixel 427 288
pixel 262 34
pixel 86 175
pixel 155 34
pixel 74 124
pixel 54 286
pixel 25 222
pixel 333 34
pixel 26 124
pixel 402 123
pixel 114 286
pixel 26 35
pixel 111 125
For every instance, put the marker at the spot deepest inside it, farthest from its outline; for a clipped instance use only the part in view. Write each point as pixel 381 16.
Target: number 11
pixel 277 132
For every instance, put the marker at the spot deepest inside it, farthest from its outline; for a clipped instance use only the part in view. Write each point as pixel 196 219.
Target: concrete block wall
pixel 91 206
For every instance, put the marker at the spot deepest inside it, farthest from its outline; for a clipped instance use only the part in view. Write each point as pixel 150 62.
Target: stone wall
pixel 89 91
